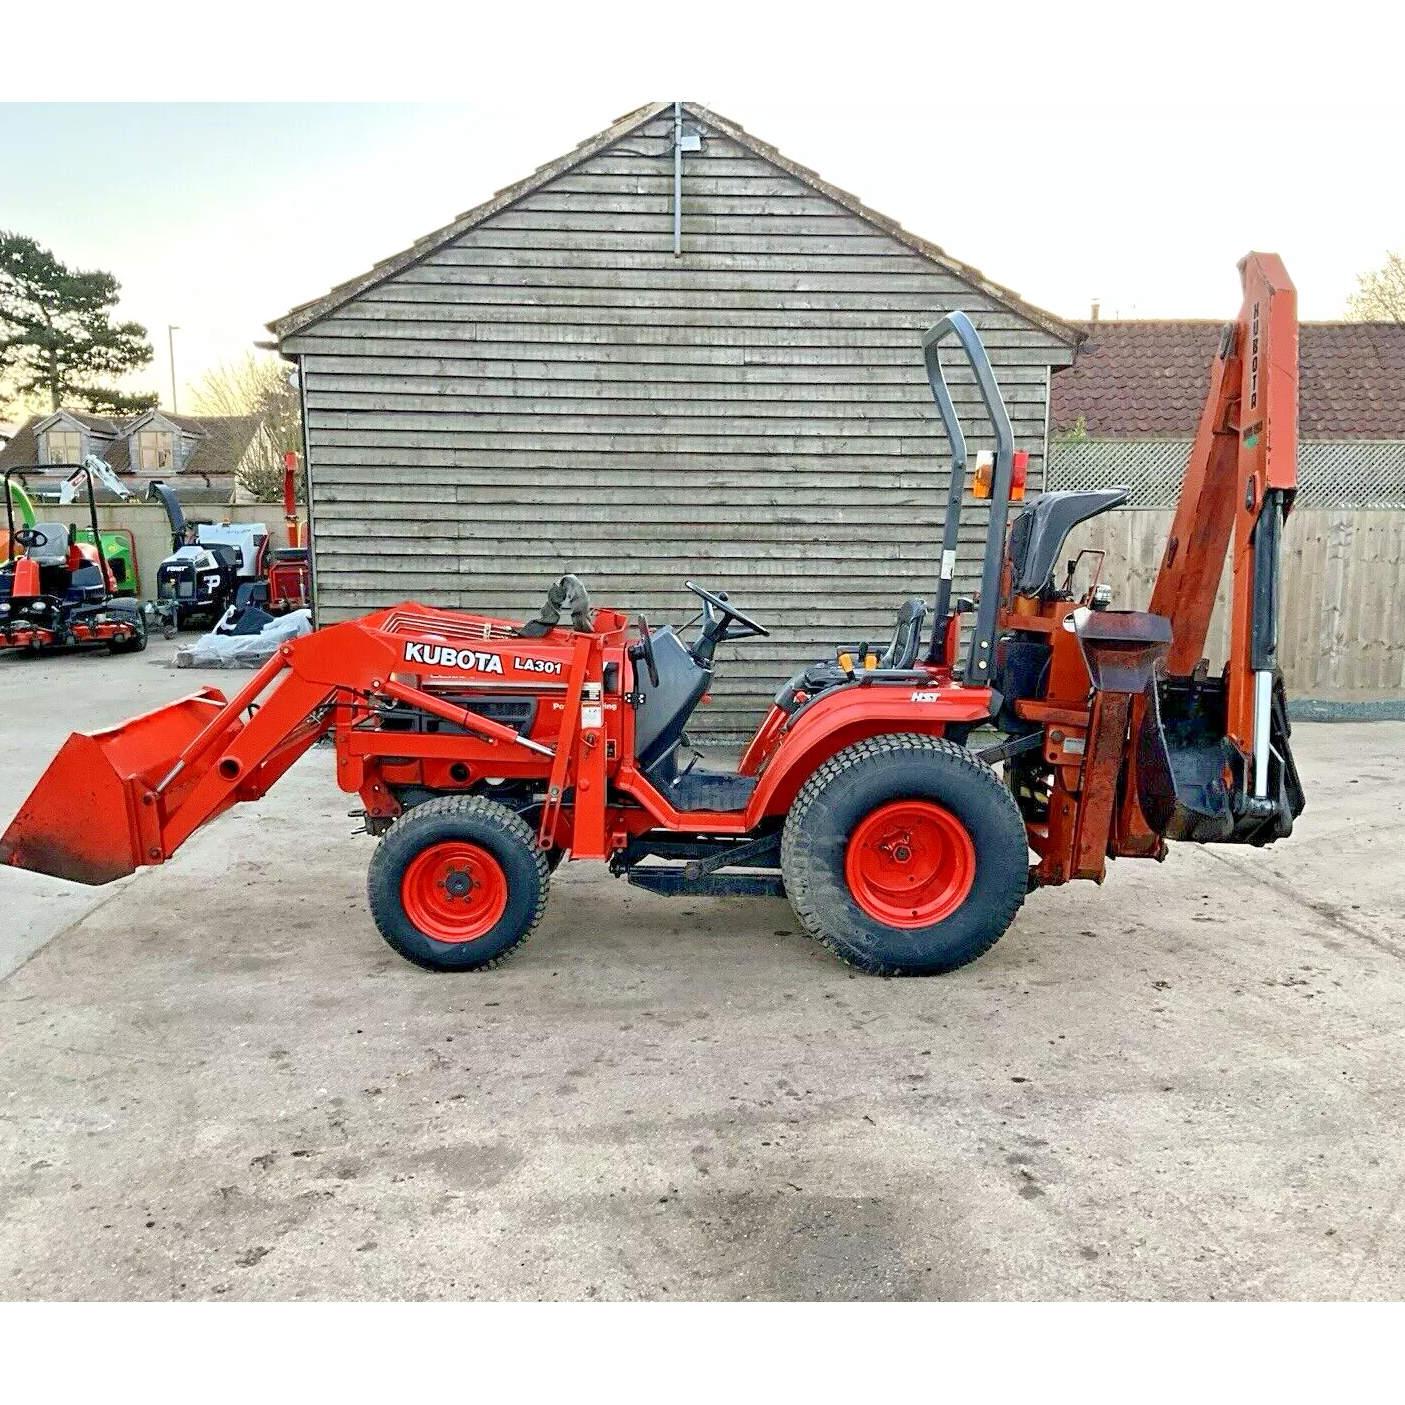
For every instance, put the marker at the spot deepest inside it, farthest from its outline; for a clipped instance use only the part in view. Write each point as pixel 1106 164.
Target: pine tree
pixel 57 336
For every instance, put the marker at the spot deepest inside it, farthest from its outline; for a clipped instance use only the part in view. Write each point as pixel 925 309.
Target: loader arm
pixel 115 800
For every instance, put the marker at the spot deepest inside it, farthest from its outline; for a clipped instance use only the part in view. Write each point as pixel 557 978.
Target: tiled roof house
pixel 1128 406
pixel 200 453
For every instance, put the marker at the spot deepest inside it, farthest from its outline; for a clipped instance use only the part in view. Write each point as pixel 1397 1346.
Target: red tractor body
pixel 486 750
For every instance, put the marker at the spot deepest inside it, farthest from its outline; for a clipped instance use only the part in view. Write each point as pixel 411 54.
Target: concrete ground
pixel 219 1082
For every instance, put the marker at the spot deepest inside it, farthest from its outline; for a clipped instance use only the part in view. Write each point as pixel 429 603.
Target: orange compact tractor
pixel 485 750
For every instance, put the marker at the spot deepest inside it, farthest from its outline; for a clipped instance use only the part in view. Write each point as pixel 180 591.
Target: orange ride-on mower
pixel 60 593
pixel 485 751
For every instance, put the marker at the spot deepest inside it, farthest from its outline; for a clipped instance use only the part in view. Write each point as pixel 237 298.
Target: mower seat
pixel 54 552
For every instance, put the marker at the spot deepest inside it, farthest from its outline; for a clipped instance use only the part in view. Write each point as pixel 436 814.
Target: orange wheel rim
pixel 910 864
pixel 454 891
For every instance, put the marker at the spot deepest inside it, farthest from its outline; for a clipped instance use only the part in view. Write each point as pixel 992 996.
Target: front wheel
pixel 905 855
pixel 457 883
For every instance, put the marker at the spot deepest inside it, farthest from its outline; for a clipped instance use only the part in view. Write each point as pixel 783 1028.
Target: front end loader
pixel 904 798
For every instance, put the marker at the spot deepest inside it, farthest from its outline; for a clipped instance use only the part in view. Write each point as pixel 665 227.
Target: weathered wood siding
pixel 1342 627
pixel 555 391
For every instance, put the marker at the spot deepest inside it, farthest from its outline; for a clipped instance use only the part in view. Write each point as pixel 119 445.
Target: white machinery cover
pixel 203 560
pixel 246 536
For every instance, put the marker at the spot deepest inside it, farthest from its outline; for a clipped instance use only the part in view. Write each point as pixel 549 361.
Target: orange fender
pixel 26 582
pixel 848 715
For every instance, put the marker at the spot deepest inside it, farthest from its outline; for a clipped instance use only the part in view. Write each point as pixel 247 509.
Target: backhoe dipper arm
pixel 1240 481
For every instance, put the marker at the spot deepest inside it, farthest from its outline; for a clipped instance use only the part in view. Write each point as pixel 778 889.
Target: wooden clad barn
pixel 562 380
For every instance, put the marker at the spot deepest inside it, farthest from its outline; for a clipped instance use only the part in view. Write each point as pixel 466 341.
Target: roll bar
pixel 92 507
pixel 983 637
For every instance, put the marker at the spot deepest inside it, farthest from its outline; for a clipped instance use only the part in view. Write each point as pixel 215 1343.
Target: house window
pixel 155 449
pixel 65 446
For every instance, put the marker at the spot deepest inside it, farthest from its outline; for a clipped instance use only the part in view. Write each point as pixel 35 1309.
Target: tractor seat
pixel 1039 533
pixel 901 653
pixel 907 638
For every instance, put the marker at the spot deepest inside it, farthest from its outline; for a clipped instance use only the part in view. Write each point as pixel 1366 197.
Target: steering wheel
pixel 30 536
pixel 714 605
pixel 644 649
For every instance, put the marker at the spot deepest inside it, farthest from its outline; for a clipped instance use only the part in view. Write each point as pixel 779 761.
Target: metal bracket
pixel 740 854
pixel 1011 746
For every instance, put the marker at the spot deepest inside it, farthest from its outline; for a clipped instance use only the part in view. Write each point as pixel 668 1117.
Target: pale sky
pixel 219 217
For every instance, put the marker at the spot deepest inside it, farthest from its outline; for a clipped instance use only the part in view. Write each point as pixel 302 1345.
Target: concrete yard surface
pixel 219 1082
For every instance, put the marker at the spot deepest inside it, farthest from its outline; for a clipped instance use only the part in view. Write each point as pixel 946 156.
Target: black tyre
pixel 905 855
pixel 137 642
pixel 457 883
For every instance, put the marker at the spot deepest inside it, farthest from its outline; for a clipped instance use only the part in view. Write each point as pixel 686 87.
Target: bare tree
pixel 1380 295
pixel 259 386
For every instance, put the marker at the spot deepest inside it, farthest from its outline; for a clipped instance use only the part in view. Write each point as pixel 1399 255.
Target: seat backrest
pixel 1039 532
pixel 661 717
pixel 907 638
pixel 54 552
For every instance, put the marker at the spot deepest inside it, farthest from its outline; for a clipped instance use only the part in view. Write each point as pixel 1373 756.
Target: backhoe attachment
pixel 1213 762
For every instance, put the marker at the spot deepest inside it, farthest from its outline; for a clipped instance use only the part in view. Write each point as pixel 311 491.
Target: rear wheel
pixel 457 883
pixel 905 855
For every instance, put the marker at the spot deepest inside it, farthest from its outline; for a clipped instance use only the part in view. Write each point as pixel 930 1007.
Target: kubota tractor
pixel 485 750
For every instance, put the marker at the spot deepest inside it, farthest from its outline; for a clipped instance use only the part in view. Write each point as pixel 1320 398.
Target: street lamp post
pixel 171 349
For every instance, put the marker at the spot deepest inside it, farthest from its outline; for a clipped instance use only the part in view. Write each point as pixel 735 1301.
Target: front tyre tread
pixel 489 825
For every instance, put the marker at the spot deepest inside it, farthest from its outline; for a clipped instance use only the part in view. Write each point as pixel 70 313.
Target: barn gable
pixel 544 386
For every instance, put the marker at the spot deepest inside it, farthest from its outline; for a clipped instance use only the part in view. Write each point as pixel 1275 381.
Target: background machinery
pixel 118 543
pixel 208 564
pixel 485 750
pixel 58 591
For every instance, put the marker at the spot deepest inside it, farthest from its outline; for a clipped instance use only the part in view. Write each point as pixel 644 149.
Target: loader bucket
pixel 93 816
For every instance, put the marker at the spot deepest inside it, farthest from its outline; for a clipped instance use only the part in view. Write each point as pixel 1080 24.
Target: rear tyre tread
pixel 383 885
pixel 811 888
